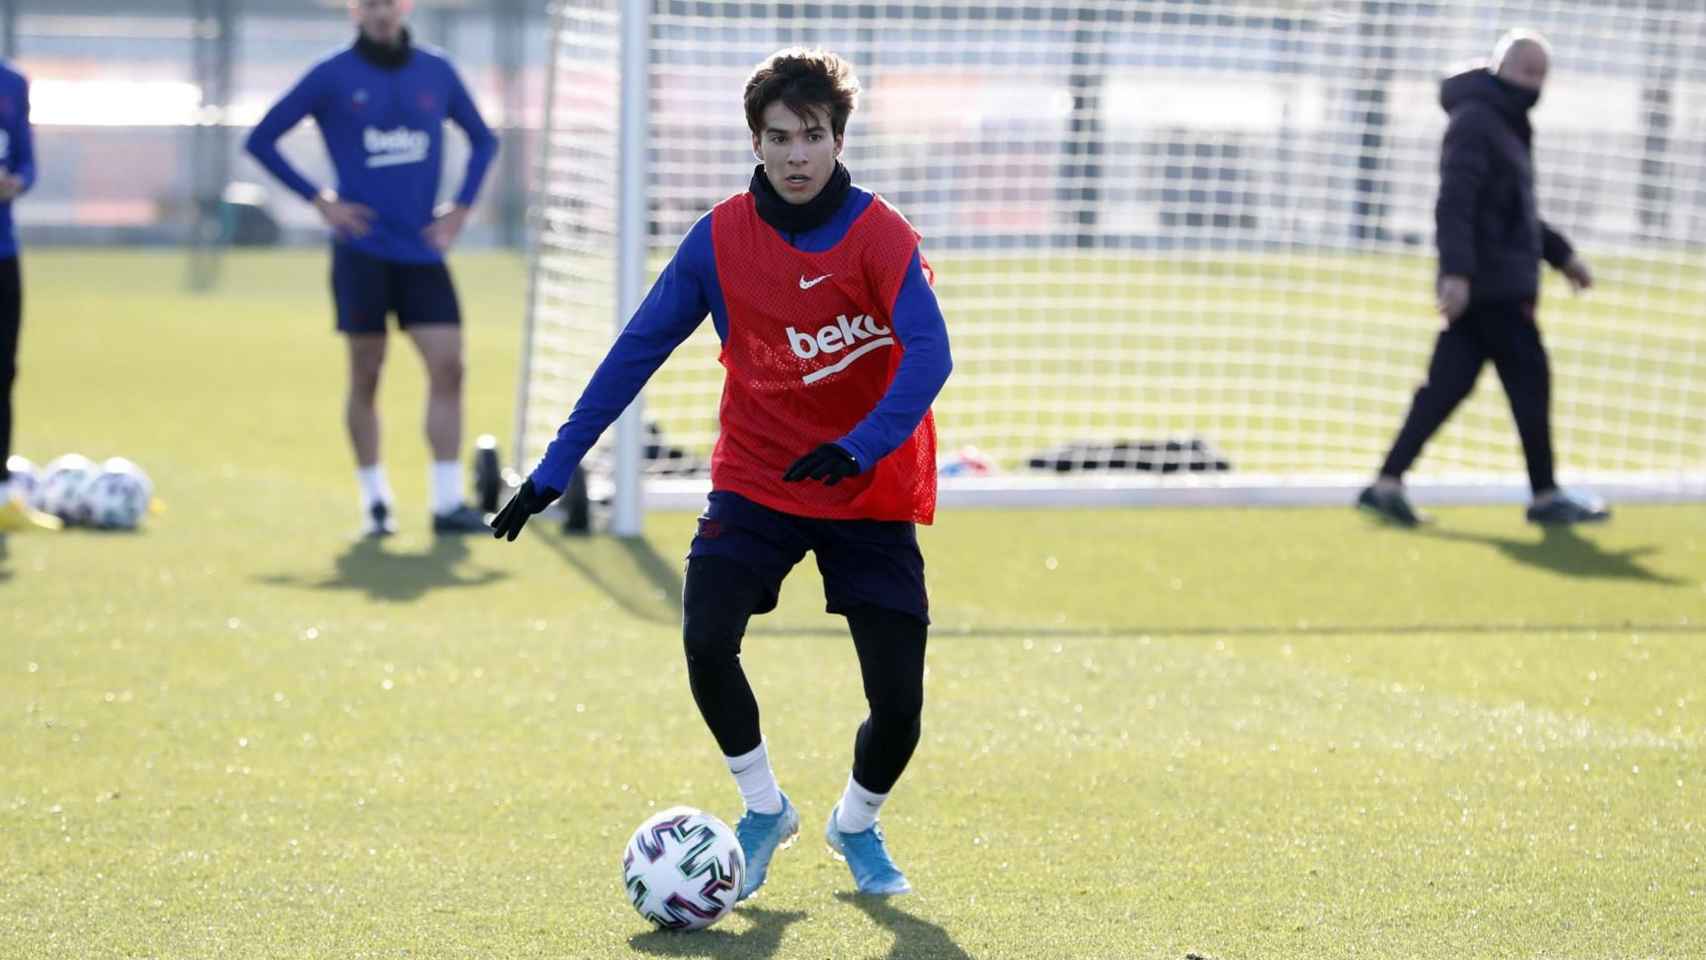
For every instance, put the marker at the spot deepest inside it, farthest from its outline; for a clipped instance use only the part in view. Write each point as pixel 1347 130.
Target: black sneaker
pixel 379 522
pixel 1565 509
pixel 462 520
pixel 1392 505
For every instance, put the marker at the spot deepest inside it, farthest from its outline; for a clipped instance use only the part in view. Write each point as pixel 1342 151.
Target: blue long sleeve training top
pixel 678 302
pixel 384 129
pixel 17 148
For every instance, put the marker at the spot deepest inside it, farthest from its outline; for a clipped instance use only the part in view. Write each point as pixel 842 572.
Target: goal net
pixel 1185 249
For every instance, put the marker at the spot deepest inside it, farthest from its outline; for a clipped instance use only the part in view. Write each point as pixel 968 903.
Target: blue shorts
pixel 864 562
pixel 367 289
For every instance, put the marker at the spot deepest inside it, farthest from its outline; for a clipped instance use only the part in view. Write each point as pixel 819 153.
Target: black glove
pixel 828 463
pixel 527 501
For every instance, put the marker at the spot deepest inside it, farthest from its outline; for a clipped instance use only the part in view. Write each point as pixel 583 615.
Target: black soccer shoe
pixel 459 522
pixel 379 522
pixel 1567 509
pixel 1391 505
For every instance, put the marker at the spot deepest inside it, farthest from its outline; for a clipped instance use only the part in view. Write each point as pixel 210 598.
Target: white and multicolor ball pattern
pixel 683 869
pixel 60 491
pixel 25 478
pixel 118 498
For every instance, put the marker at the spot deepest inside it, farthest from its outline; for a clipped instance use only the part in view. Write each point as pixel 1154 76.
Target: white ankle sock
pixel 756 780
pixel 374 487
pixel 858 809
pixel 446 486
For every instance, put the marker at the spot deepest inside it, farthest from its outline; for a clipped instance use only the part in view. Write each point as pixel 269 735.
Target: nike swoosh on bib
pixel 808 284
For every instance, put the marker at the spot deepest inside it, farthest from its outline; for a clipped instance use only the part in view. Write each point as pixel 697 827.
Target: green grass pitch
pixel 1234 733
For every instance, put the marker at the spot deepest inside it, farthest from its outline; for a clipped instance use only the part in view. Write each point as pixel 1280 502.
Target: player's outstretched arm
pixel 677 303
pixel 527 501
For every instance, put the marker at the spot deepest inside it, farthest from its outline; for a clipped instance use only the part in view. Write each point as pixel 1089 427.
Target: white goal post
pixel 1185 248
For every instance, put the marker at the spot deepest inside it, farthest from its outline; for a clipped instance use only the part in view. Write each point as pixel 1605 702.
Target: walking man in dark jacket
pixel 1491 241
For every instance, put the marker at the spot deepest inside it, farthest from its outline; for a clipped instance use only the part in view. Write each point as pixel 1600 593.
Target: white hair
pixel 1513 39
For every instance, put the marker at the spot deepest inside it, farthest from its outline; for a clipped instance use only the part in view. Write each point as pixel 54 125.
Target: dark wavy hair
pixel 805 81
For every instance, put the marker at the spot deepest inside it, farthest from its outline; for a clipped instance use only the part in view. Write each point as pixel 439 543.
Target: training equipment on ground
pixel 683 869
pixel 1152 219
pixel 61 489
pixel 967 461
pixel 117 498
pixel 488 474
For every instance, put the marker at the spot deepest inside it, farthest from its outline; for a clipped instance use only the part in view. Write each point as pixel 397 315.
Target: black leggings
pixel 1507 335
pixel 11 318
pixel 721 595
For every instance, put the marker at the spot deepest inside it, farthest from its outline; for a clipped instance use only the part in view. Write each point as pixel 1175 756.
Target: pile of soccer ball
pixel 114 495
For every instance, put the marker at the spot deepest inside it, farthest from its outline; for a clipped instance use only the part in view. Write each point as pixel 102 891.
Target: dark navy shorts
pixel 367 289
pixel 864 562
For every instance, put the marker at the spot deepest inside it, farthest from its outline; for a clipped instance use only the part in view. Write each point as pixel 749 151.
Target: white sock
pixel 374 487
pixel 446 486
pixel 859 807
pixel 756 780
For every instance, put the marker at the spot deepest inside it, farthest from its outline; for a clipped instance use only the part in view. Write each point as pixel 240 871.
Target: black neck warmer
pixel 381 56
pixel 798 218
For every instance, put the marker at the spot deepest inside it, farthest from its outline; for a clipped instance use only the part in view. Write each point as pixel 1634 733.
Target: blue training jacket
pixel 687 290
pixel 17 147
pixel 384 129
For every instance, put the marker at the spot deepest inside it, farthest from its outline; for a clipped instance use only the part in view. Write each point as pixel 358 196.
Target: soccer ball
pixel 117 499
pixel 683 869
pixel 60 491
pixel 25 478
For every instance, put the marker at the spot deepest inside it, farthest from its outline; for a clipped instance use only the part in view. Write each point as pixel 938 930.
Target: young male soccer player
pixel 381 106
pixel 17 175
pixel 1491 241
pixel 834 348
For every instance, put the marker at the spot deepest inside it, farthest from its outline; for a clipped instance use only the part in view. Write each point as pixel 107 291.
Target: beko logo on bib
pixel 390 148
pixel 862 333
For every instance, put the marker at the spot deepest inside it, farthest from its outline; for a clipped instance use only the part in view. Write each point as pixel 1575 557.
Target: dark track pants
pixel 1506 334
pixel 722 594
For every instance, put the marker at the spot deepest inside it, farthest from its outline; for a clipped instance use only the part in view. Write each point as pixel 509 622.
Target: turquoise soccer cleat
pixel 761 835
pixel 868 858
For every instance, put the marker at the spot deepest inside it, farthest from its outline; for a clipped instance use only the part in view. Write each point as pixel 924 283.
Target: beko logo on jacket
pixel 862 334
pixel 390 148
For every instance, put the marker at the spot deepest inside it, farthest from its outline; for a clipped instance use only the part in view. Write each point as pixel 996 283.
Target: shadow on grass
pixel 914 938
pixel 367 567
pixel 5 574
pixel 1164 631
pixel 648 587
pixel 1564 551
pixel 761 941
pixel 628 569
